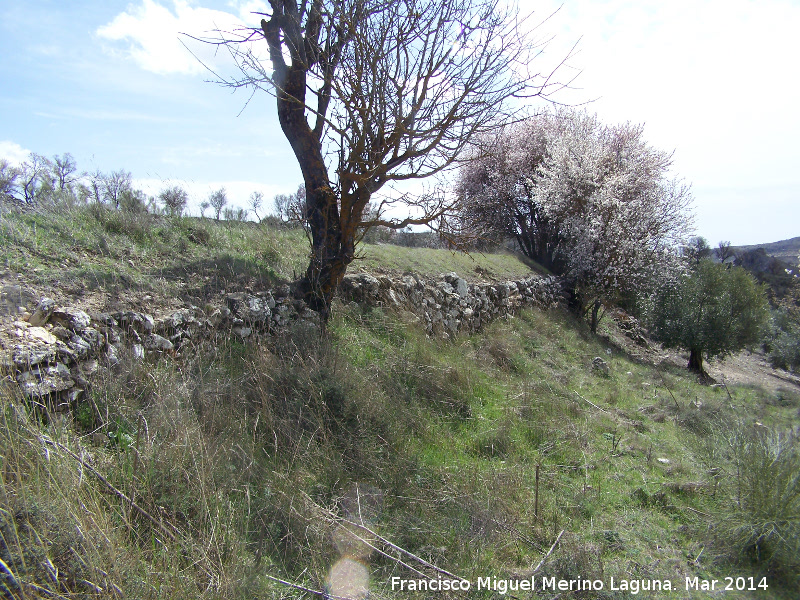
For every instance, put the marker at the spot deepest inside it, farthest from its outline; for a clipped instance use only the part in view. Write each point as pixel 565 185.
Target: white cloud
pixel 13 152
pixel 708 78
pixel 713 80
pixel 154 34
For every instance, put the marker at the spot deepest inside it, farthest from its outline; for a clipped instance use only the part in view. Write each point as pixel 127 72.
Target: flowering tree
pixel 371 92
pixel 590 202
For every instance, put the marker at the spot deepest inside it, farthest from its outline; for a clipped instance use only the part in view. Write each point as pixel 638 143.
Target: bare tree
pixel 65 169
pixel 204 206
pixel 34 173
pixel 291 207
pixel 217 200
pixel 256 200
pixel 725 251
pixel 371 92
pixel 281 204
pixel 8 177
pixel 113 185
pixel 95 185
pixel 235 213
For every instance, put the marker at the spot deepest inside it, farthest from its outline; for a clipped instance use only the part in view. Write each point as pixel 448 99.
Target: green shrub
pixel 761 521
pixel 783 340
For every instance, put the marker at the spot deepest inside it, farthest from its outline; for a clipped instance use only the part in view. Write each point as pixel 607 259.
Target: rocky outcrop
pixel 52 351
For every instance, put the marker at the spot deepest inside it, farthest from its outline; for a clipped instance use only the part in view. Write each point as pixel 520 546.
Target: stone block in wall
pixel 44 309
pixel 45 380
pixel 135 321
pixel 71 318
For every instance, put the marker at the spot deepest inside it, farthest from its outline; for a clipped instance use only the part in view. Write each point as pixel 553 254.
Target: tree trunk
pixel 332 250
pixel 595 311
pixel 696 362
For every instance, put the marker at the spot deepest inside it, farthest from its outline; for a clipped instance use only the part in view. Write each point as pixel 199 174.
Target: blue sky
pixel 111 83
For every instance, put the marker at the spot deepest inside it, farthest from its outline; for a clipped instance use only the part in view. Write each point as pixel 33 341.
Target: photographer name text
pixel 632 586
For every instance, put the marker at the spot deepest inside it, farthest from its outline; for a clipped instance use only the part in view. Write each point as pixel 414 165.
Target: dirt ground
pixel 748 368
pixel 744 368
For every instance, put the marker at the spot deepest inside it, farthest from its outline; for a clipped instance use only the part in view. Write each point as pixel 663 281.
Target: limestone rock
pixel 25 356
pixel 45 380
pixel 158 343
pixel 135 321
pixel 39 335
pixel 80 347
pixel 42 312
pixel 598 364
pixel 71 318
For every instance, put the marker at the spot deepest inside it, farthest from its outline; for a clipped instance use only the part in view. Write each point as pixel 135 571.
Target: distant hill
pixel 786 250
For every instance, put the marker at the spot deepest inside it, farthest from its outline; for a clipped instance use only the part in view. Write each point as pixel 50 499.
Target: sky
pixel 118 86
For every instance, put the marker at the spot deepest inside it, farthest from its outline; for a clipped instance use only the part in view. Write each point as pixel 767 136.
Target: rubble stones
pixel 451 305
pixel 42 312
pixel 136 321
pixel 81 348
pixel 71 318
pixel 43 381
pixel 250 309
pixel 27 356
pixel 39 334
pixel 156 342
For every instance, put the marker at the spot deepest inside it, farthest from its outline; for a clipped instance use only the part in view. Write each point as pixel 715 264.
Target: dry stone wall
pixel 51 352
pixel 451 305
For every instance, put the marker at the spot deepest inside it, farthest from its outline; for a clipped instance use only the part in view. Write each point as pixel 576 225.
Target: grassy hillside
pixel 92 248
pixel 216 474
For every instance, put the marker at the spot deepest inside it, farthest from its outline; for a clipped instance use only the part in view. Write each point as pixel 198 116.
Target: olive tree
pixel 174 199
pixel 711 310
pixel 376 92
pixel 591 202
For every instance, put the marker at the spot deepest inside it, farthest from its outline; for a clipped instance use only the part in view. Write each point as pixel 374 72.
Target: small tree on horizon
pixel 8 177
pixel 696 250
pixel 218 200
pixel 256 201
pixel 174 199
pixel 65 170
pixel 114 185
pixel 711 311
pixel 725 251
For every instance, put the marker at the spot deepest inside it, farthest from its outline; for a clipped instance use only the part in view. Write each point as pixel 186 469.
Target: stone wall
pixel 52 352
pixel 450 305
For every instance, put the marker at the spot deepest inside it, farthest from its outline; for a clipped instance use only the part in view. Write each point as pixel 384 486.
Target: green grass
pixel 242 459
pixel 94 248
pixel 432 262
pixel 87 248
